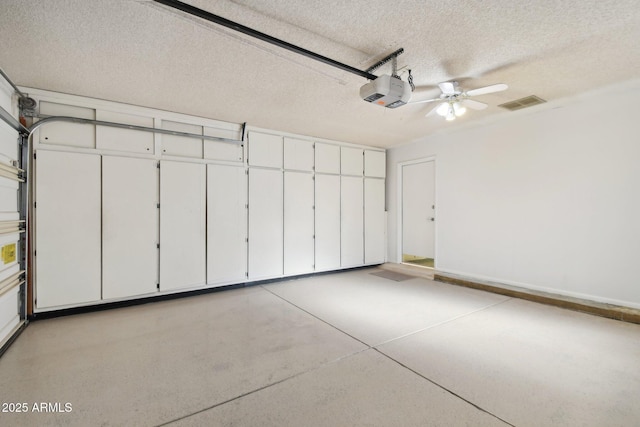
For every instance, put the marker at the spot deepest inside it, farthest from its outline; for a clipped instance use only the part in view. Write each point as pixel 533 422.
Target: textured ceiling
pixel 139 52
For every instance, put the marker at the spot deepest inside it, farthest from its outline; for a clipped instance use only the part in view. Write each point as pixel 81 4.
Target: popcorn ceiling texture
pixel 139 52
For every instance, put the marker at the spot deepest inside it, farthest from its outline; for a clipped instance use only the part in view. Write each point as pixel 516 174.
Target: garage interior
pixel 207 220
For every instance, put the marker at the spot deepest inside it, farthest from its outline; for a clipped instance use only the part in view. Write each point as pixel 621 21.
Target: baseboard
pixel 625 314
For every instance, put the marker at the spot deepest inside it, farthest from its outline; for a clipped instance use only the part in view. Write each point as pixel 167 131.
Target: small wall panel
pixel 117 139
pixel 181 146
pixel 67 227
pixel 65 133
pixel 298 223
pixel 226 224
pixel 374 221
pixel 327 222
pixel 265 223
pixel 327 158
pixel 130 227
pixel 182 225
pixel 265 150
pixel 218 150
pixel 352 221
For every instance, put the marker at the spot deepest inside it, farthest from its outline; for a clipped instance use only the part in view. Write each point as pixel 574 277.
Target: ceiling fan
pixel 454 101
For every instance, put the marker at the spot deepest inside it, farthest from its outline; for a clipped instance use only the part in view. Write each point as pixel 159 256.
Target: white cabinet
pixel 327 222
pixel 265 223
pixel 351 161
pixel 298 223
pixel 374 221
pixel 352 221
pixel 129 226
pixel 265 150
pixel 226 224
pixel 327 158
pixel 67 228
pixel 182 225
pixel 375 163
pixel 298 154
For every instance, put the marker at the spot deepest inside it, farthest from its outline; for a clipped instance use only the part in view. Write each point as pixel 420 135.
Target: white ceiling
pixel 139 52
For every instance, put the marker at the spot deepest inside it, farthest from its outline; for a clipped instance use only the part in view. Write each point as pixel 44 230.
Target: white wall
pixel 546 200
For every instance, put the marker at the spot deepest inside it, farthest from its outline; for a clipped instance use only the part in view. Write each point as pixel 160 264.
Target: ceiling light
pixel 451 115
pixel 459 109
pixel 443 109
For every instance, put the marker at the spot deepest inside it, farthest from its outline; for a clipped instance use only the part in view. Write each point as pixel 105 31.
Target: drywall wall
pixel 546 200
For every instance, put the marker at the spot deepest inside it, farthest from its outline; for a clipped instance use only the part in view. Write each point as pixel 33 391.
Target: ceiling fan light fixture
pixel 459 109
pixel 451 115
pixel 443 109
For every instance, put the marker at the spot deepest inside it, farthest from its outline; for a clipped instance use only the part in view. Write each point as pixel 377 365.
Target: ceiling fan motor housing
pixel 387 91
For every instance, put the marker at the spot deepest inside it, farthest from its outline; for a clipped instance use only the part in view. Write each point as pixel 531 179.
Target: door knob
pixel 431 218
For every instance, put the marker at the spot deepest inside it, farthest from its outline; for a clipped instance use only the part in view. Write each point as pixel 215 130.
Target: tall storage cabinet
pixel 226 224
pixel 182 225
pixel 130 224
pixel 68 258
pixel 298 207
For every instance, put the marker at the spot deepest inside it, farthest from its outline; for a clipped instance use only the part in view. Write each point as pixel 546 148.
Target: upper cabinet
pixel 298 154
pixel 351 161
pixel 265 150
pixel 374 163
pixel 327 158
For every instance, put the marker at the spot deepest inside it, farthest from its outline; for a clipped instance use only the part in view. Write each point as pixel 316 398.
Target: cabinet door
pixel 298 154
pixel 182 225
pixel 375 163
pixel 351 161
pixel 327 158
pixel 298 223
pixel 265 150
pixel 351 221
pixel 130 226
pixel 327 222
pixel 374 221
pixel 67 228
pixel 226 224
pixel 265 223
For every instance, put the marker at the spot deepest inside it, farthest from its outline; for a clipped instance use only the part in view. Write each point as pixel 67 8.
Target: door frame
pixel 399 199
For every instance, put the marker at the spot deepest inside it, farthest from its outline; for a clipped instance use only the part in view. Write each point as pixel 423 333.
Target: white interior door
pixel 351 221
pixel 374 221
pixel 327 222
pixel 182 225
pixel 298 223
pixel 265 223
pixel 130 226
pixel 226 224
pixel 418 210
pixel 67 228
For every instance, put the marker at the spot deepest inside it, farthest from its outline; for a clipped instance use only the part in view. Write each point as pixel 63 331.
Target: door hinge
pixel 158 286
pixel 158 245
pixel 158 205
pixel 34 156
pixel 35 205
pixel 158 165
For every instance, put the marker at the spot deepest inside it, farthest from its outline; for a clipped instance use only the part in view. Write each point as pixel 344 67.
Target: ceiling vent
pixel 527 101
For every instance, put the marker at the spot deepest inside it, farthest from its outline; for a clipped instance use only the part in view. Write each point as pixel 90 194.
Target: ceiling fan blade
pixel 448 88
pixel 475 105
pixel 425 101
pixel 487 89
pixel 433 111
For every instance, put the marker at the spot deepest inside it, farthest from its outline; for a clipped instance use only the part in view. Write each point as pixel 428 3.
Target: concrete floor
pixel 346 349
